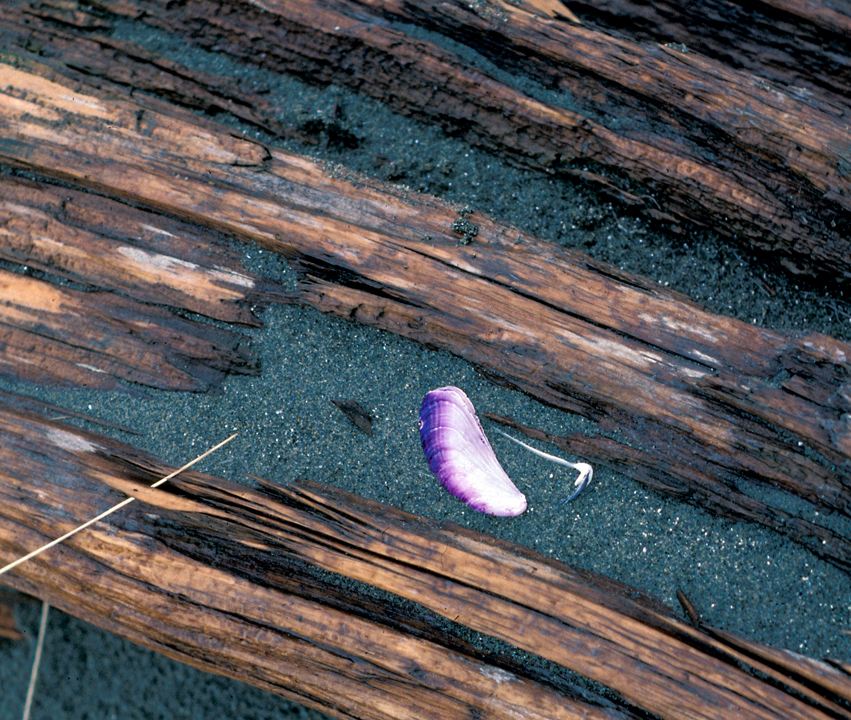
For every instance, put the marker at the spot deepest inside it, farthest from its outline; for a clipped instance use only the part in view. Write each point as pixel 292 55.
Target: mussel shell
pixel 459 453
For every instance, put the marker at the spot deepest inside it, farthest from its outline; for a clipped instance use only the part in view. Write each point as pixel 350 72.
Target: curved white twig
pixel 586 472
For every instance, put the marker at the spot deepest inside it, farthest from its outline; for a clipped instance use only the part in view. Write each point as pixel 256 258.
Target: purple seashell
pixel 459 453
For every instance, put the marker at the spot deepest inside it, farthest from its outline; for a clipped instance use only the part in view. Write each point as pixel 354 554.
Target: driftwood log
pixel 108 328
pixel 223 577
pixel 801 46
pixel 676 135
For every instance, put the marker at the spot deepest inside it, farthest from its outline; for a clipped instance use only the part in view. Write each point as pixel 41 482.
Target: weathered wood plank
pixel 681 136
pixel 60 335
pixel 85 333
pixel 124 68
pixel 717 399
pixel 575 333
pixel 104 244
pixel 655 114
pixel 219 575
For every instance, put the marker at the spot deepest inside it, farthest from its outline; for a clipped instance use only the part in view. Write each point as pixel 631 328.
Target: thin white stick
pixel 42 627
pixel 586 472
pixel 120 505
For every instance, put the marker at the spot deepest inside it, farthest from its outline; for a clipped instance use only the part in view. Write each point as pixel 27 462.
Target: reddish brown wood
pixel 799 44
pixel 681 135
pixel 137 261
pixel 773 180
pixel 59 335
pixel 124 68
pixel 215 574
pixel 105 244
pixel 219 575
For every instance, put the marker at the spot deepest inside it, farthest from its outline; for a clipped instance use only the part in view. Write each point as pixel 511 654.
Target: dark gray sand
pixel 741 577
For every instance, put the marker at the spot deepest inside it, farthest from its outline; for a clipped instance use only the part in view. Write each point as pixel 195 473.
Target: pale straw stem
pixel 111 510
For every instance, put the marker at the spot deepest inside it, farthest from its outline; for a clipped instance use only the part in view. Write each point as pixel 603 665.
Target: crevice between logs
pixel 642 361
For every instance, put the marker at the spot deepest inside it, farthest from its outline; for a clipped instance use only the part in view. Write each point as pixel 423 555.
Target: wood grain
pixel 117 206
pixel 117 267
pixel 677 135
pixel 51 334
pixel 801 46
pixel 107 245
pixel 223 577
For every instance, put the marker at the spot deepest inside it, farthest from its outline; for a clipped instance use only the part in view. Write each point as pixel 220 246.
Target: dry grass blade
pixel 111 510
pixel 42 627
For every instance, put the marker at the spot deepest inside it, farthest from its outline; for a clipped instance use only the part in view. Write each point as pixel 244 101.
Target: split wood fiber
pixel 137 197
pixel 224 577
pixel 125 269
pixel 800 46
pixel 675 134
pixel 112 246
pixel 701 400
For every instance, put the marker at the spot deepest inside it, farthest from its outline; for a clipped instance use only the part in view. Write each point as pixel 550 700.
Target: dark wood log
pixel 223 577
pixel 676 134
pixel 802 46
pixel 650 115
pixel 713 398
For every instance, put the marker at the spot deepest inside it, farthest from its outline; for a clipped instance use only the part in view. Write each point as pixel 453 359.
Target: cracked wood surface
pixel 712 399
pixel 802 45
pixel 223 577
pixel 701 400
pixel 674 134
pixel 124 269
